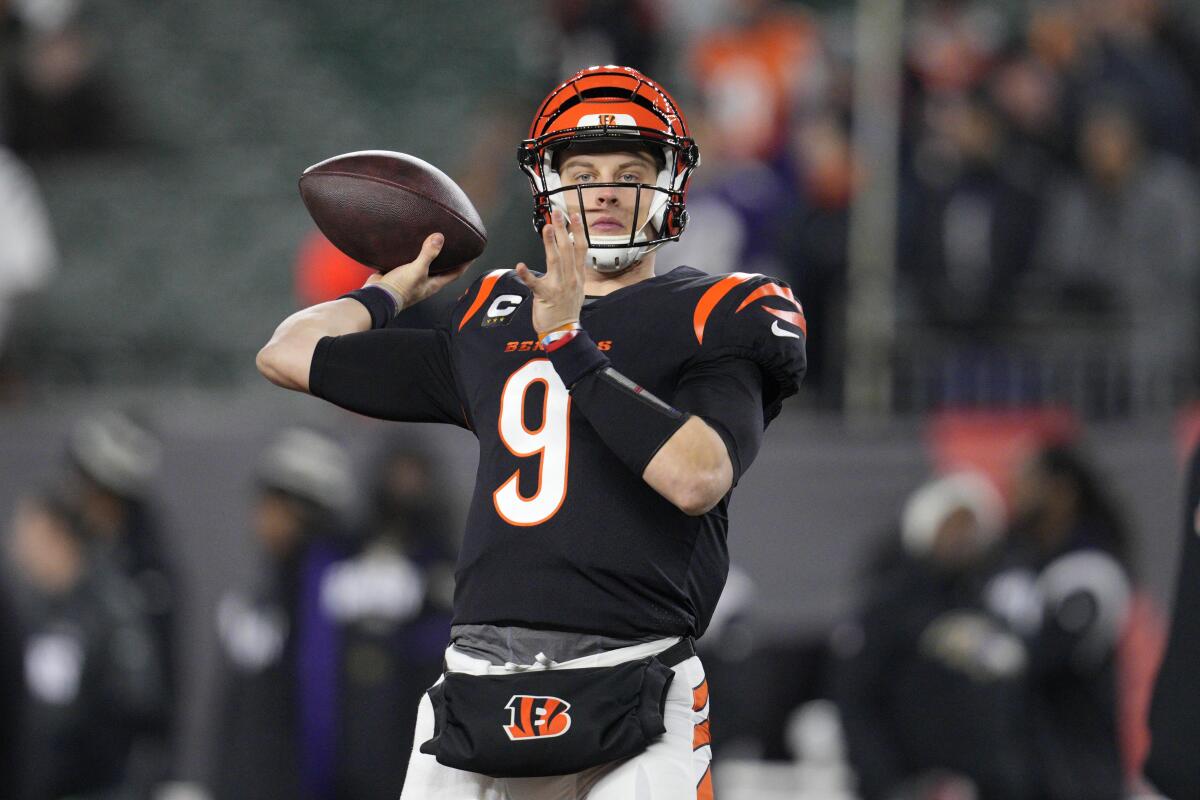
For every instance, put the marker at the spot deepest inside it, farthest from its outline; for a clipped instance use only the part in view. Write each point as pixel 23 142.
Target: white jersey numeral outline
pixel 551 441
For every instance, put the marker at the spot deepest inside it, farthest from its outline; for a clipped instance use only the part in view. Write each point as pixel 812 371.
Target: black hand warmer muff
pixel 551 721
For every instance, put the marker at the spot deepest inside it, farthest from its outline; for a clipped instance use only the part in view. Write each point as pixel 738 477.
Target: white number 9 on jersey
pixel 551 441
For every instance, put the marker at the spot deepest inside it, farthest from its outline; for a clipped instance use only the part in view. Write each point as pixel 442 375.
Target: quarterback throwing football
pixel 615 410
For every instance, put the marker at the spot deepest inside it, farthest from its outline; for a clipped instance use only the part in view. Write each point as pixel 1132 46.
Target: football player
pixel 615 410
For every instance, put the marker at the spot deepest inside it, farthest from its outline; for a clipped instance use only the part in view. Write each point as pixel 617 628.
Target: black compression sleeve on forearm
pixel 631 421
pixel 577 358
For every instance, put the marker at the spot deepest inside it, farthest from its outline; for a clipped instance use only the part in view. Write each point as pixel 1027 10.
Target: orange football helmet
pixel 604 105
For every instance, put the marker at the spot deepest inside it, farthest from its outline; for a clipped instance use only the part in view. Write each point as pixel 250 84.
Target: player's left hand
pixel 558 295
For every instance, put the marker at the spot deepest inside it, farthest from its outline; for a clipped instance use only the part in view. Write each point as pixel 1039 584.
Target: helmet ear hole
pixel 676 219
pixel 526 157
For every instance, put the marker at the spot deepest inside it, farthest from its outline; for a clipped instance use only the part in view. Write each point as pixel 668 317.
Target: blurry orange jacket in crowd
pixel 323 272
pixel 752 78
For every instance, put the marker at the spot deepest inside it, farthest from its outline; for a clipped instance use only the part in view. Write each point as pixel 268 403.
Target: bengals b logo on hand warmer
pixel 533 717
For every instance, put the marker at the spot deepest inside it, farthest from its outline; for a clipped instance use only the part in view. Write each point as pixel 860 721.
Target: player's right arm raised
pixel 286 360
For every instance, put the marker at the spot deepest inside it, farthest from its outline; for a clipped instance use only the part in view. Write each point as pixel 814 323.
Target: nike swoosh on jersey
pixel 778 331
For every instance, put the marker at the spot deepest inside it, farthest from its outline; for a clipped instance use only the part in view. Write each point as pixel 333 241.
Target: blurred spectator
pixel 56 97
pixel 1129 58
pixel 1044 174
pixel 972 222
pixel 392 604
pixel 1028 97
pixel 281 709
pixel 1122 242
pixel 92 678
pixel 605 32
pixel 929 683
pixel 1176 26
pixel 813 247
pixel 755 74
pixel 1064 587
pixel 114 459
pixel 952 43
pixel 27 252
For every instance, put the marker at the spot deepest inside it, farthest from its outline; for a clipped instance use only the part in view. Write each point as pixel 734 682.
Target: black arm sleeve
pixel 727 393
pixel 398 374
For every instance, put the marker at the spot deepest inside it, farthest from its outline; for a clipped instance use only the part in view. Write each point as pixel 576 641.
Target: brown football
pixel 378 207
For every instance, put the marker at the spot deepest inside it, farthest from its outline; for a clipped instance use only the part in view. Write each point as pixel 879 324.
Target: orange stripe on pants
pixel 700 696
pixel 702 735
pixel 704 789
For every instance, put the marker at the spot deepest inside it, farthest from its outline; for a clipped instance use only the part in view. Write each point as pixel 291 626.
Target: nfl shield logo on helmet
pixel 532 717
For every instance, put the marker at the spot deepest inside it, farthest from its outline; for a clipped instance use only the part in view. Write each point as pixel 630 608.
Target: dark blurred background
pixel 990 211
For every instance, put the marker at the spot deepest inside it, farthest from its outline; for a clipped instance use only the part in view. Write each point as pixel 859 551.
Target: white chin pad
pixel 614 259
pixel 617 259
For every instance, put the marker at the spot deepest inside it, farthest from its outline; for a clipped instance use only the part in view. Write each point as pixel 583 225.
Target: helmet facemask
pixel 663 221
pixel 616 253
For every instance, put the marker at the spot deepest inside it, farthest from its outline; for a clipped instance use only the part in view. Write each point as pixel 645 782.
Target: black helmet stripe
pixel 600 92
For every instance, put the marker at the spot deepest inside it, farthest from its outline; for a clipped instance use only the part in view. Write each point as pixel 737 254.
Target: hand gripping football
pixel 378 207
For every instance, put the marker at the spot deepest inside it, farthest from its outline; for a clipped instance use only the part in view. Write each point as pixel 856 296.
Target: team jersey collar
pixel 591 301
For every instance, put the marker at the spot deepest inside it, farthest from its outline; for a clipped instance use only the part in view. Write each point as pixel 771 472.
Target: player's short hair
pixel 623 146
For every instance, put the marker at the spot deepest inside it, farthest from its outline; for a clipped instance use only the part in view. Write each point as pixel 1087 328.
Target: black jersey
pixel 561 535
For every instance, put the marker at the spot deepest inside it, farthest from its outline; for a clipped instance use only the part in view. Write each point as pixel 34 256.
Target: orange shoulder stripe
pixel 709 300
pixel 485 289
pixel 789 316
pixel 771 289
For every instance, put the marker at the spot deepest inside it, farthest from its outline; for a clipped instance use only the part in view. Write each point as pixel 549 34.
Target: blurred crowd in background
pixel 1048 251
pixel 1047 210
pixel 1003 646
pixel 322 659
